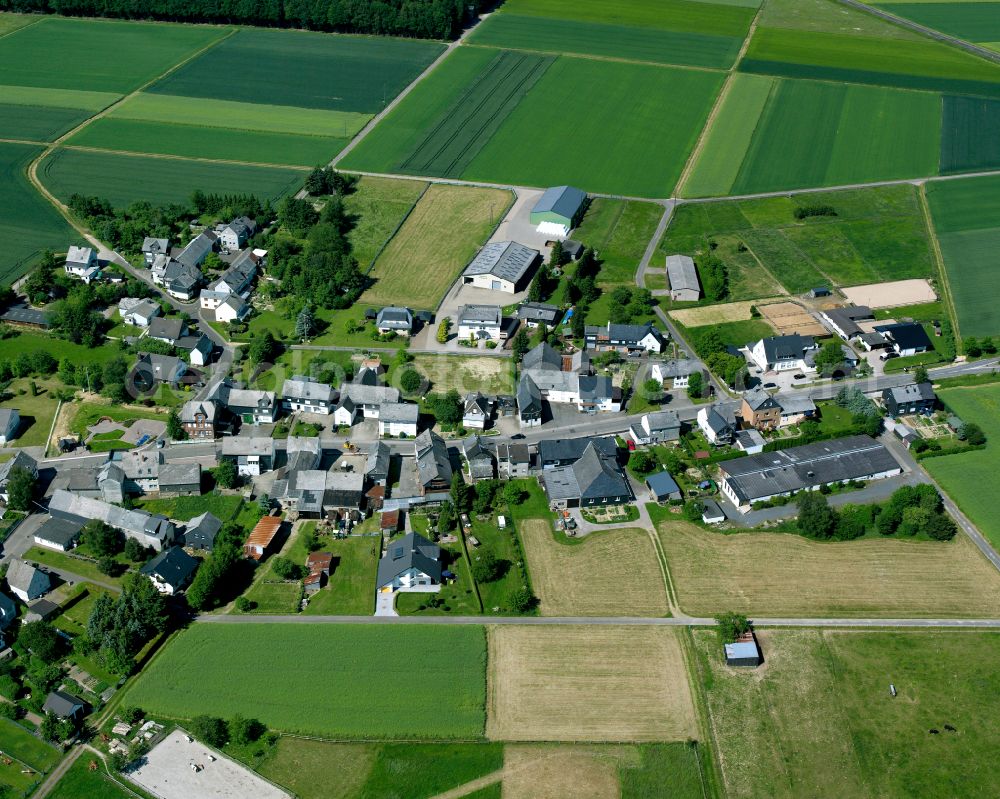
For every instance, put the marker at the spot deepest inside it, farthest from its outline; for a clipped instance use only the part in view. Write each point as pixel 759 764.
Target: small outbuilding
pixel 683 278
pixel 744 651
pixel 711 513
pixel 662 487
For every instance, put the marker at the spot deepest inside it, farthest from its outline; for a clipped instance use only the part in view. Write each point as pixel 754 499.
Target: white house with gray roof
pixel 152 247
pixel 412 562
pixel 501 266
pixel 27 582
pixel 398 419
pixel 364 401
pixel 394 320
pixel 655 428
pixel 21 460
pixel 480 322
pixel 252 455
pixel 683 278
pixel 81 262
pixel 784 353
pixel 150 530
pixel 304 394
pixel 137 311
pixel 235 234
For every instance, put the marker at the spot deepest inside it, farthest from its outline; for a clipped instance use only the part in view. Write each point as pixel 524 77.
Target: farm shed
pixel 558 210
pixel 501 266
pixel 744 651
pixel 261 537
pixel 683 277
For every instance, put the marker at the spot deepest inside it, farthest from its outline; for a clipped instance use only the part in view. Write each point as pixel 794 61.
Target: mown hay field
pixel 437 241
pixel 303 69
pixel 613 573
pixel 809 133
pixel 380 205
pixel 817 719
pixel 877 234
pixel 966 216
pixel 28 224
pixel 208 142
pixel 966 477
pixel 98 55
pixel 579 683
pixel 782 574
pixel 122 179
pixel 325 679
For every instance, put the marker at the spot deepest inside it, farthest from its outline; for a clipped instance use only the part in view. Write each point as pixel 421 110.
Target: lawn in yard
pixel 223 506
pixel 964 476
pixel 456 598
pixel 441 679
pixel 818 718
pixel 737 334
pixel 35 754
pixel 63 561
pixel 37 412
pixel 82 783
pixel 434 244
pixel 505 546
pixel 87 414
pixel 351 588
pixel 490 375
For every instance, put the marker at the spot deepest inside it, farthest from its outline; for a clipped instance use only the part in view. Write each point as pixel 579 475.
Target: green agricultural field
pixel 379 205
pixel 195 141
pixel 818 719
pixel 11 22
pixel 48 54
pixel 123 179
pixel 28 224
pixel 664 108
pixel 299 68
pixel 57 98
pixel 970 134
pixel 724 18
pixel 966 216
pixel 335 680
pixel 37 123
pixel 877 234
pixel 619 231
pixel 829 17
pixel 464 128
pixel 973 21
pixel 438 239
pixel 920 64
pixel 811 134
pixel 963 475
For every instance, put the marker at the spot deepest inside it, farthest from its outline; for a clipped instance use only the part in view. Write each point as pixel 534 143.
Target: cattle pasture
pixel 579 683
pixel 613 573
pixel 122 179
pixel 781 574
pixel 818 718
pixel 437 240
pixel 441 678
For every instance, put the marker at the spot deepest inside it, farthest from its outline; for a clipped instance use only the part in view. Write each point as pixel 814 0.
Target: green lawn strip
pixel 82 783
pixel 504 545
pixel 303 69
pixel 62 561
pixel 88 414
pixel 652 148
pixel 36 97
pixel 425 770
pixel 738 334
pixel 194 141
pixel 122 179
pixel 442 679
pixel 46 54
pixel 29 225
pixel 675 764
pixel 17 742
pixel 37 412
pixel 224 506
pixel 379 206
pixel 351 587
pixel 963 475
pixel 620 231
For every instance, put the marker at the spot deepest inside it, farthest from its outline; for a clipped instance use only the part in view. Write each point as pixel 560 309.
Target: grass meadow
pixel 973 21
pixel 785 134
pixel 434 244
pixel 818 720
pixel 966 217
pixel 877 234
pixel 338 681
pixel 28 224
pixel 379 206
pixel 619 231
pixel 39 114
pixel 122 179
pixel 965 475
pixel 783 574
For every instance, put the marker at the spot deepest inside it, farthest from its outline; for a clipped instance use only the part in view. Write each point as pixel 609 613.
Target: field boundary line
pixel 707 129
pixel 171 157
pixel 703 719
pixel 949 298
pixel 668 588
pixel 592 57
pixel 22 27
pixel 25 141
pixel 392 235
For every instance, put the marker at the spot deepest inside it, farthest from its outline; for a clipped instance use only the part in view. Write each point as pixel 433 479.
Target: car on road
pixel 770 385
pixel 517 436
pixel 798 376
pixel 888 356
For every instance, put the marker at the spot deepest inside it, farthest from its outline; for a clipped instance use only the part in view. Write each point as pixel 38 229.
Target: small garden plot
pixel 439 678
pixel 604 574
pixel 588 684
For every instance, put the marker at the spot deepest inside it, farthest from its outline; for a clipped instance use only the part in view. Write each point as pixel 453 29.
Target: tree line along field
pixel 877 234
pixel 28 224
pixel 346 681
pixel 966 216
pixel 785 575
pixel 670 32
pixel 977 22
pixel 818 719
pixel 966 475
pixel 503 107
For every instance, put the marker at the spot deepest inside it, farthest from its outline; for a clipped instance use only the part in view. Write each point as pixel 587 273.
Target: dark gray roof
pixel 173 566
pixel 155 246
pixel 596 387
pixel 710 509
pixel 663 420
pixel 681 273
pixel 529 398
pixel 62 704
pixel 593 476
pixel 488 314
pixel 717 421
pixel 299 387
pixel 411 551
pixel 778 348
pixel 165 368
pixel 26 316
pixel 562 200
pixel 823 462
pixel 542 356
pixel 22 460
pixel 507 260
pixel 378 459
pixel 433 462
pixel 911 393
pixel 539 312
pixel 567 449
pixel 514 453
pixel 60 531
pixel 757 398
pixel 394 317
pixel 162 327
pixel 399 412
pixel 846 318
pixel 67 505
pixel 196 250
pixel 662 484
pixel 201 531
pixel 906 335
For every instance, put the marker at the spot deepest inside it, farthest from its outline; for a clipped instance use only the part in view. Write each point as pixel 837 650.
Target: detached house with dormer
pixel 81 262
